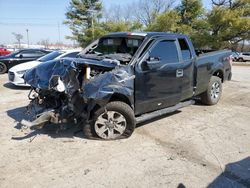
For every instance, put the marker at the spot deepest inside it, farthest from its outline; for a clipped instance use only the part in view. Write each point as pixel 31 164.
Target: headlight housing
pixel 21 72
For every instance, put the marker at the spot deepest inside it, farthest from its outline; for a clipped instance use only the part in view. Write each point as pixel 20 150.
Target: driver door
pixel 158 81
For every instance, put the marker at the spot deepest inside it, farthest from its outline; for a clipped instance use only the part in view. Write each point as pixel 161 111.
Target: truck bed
pixel 211 63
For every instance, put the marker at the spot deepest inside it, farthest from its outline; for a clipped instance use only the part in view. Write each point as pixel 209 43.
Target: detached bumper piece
pixel 46 117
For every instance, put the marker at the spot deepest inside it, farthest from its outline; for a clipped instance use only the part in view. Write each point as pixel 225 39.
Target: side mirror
pixel 150 63
pixel 153 60
pixel 21 56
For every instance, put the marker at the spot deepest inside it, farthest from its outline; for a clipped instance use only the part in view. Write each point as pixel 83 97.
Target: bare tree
pixel 44 42
pixel 114 13
pixel 119 13
pixel 18 37
pixel 147 10
pixel 144 11
pixel 228 3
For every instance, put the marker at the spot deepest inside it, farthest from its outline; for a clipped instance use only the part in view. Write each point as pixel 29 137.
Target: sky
pixel 42 18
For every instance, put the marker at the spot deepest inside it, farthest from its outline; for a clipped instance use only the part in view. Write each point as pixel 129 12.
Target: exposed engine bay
pixel 74 89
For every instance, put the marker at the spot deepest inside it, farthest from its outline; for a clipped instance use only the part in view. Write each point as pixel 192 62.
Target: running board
pixel 148 116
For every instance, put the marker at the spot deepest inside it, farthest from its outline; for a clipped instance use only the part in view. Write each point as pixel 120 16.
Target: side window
pixel 32 54
pixel 146 47
pixel 166 51
pixel 185 51
pixel 73 54
pixel 18 55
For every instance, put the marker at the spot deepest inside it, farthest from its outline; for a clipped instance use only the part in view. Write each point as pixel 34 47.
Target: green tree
pixel 108 27
pixel 166 22
pixel 82 15
pixel 229 24
pixel 193 22
pixel 190 10
pixel 187 18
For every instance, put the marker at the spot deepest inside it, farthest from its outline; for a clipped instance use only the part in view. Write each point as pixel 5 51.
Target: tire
pixel 213 93
pixel 109 119
pixel 241 60
pixel 3 68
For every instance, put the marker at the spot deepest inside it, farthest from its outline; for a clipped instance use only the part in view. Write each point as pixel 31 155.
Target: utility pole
pixel 92 11
pixel 93 27
pixel 28 41
pixel 59 32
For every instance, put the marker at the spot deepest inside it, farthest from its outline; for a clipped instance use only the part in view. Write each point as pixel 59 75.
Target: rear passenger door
pixel 158 81
pixel 187 66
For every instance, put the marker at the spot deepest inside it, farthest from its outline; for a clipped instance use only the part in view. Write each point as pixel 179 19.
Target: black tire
pixel 209 96
pixel 3 68
pixel 117 106
pixel 241 60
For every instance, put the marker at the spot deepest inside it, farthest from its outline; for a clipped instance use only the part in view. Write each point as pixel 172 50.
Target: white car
pixel 16 73
pixel 244 56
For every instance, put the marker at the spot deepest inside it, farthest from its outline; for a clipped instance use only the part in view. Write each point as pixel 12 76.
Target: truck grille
pixel 11 76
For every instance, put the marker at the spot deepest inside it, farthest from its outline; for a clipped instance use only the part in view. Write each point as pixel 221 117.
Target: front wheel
pixel 213 93
pixel 114 121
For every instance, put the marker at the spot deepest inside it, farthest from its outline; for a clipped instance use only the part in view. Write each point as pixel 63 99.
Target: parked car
pixel 4 52
pixel 16 73
pixel 244 56
pixel 123 79
pixel 235 56
pixel 20 56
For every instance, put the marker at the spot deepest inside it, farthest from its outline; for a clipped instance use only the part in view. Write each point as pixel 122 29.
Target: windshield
pixel 50 56
pixel 117 45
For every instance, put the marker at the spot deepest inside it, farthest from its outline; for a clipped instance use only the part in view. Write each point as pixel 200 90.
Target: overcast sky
pixel 43 19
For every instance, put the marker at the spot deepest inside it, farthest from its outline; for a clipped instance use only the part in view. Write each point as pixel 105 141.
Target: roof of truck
pixel 144 34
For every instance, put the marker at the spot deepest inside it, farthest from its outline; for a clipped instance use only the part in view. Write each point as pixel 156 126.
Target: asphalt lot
pixel 198 146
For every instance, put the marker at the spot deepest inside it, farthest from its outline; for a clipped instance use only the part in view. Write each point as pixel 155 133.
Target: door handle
pixel 179 73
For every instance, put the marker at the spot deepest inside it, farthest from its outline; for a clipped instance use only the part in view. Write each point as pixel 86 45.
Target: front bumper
pixel 17 79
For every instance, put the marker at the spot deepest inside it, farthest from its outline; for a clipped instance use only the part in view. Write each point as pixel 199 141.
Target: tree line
pixel 226 25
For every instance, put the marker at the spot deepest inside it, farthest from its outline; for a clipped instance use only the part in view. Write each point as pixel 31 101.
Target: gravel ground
pixel 198 146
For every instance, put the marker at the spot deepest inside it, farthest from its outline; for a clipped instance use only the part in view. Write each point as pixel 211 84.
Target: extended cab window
pixel 185 51
pixel 166 51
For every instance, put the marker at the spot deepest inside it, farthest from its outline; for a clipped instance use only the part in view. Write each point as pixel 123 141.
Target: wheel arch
pixel 113 97
pixel 122 98
pixel 219 73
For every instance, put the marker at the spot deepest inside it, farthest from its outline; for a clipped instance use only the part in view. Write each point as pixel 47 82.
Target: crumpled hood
pixel 40 76
pixel 84 95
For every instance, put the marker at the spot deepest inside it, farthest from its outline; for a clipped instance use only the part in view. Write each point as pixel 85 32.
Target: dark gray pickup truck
pixel 125 78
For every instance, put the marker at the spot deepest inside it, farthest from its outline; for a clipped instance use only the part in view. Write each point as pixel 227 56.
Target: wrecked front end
pixel 68 90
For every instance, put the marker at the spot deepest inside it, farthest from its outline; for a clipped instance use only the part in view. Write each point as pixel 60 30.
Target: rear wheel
pixel 213 93
pixel 3 68
pixel 114 121
pixel 241 60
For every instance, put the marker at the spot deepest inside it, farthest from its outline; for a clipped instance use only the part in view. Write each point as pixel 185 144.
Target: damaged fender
pixel 82 95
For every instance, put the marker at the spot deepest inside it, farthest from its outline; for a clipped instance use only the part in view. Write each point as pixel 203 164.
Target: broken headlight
pixel 57 84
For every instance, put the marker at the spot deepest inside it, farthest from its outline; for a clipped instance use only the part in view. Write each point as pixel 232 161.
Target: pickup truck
pixel 123 79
